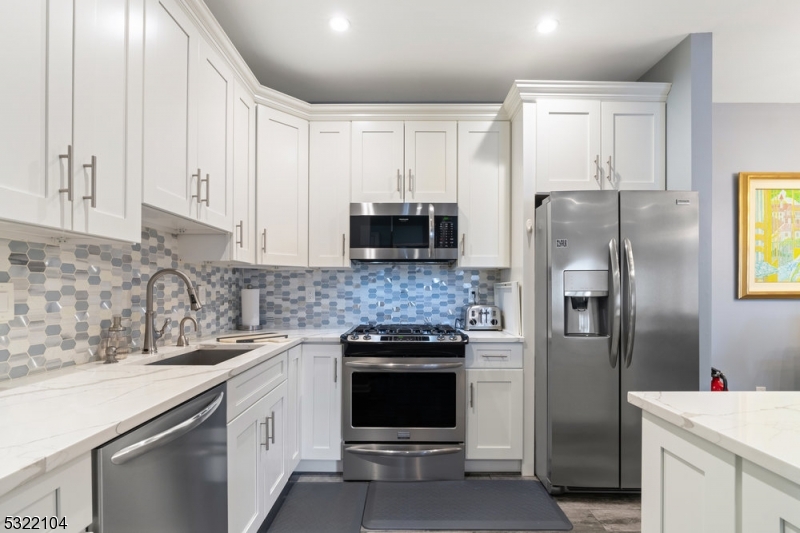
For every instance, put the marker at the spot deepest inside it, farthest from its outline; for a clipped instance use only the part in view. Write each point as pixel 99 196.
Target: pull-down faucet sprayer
pixel 150 334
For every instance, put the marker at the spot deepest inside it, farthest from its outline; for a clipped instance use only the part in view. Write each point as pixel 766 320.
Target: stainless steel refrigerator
pixel 616 290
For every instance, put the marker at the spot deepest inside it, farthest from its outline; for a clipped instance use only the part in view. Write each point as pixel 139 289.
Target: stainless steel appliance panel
pixel 410 462
pixel 583 378
pixel 170 475
pixel 660 329
pixel 404 399
pixel 542 312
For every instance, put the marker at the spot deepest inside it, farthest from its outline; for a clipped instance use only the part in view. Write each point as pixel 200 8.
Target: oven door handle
pixel 404 453
pixel 410 367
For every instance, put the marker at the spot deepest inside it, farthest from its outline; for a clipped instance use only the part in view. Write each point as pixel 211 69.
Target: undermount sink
pixel 202 357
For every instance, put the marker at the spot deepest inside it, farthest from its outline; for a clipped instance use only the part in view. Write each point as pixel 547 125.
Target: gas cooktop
pixel 383 333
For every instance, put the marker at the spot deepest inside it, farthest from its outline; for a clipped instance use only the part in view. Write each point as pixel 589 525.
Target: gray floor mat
pixel 321 508
pixel 493 505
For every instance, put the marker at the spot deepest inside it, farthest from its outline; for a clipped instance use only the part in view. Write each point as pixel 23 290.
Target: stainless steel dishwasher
pixel 169 475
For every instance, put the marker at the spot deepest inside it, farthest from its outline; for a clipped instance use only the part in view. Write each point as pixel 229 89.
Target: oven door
pixel 404 399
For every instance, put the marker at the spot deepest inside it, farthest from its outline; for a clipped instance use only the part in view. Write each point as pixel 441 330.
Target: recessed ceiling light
pixel 340 24
pixel 547 26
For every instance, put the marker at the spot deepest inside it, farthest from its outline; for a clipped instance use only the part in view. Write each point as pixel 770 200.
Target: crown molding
pixel 408 112
pixel 629 91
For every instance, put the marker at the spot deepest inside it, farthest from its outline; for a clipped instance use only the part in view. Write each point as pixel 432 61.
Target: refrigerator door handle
pixel 613 345
pixel 631 294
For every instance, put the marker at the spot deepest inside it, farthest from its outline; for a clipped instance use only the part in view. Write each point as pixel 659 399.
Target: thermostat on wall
pixel 6 302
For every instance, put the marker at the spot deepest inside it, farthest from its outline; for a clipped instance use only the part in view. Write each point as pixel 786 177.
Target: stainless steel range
pixel 404 402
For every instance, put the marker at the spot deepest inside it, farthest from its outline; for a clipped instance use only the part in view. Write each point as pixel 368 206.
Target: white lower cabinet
pixel 293 390
pixel 494 414
pixel 64 493
pixel 770 503
pixel 259 442
pixel 322 402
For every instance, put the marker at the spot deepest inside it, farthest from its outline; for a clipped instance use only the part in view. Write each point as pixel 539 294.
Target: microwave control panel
pixel 446 232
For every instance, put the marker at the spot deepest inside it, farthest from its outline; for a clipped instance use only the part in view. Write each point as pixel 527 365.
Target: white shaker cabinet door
pixel 484 194
pixel 430 161
pixel 282 188
pixel 107 118
pixel 246 481
pixel 322 402
pixel 214 90
pixel 293 401
pixel 276 473
pixel 35 111
pixel 377 162
pixel 244 176
pixel 329 194
pixel 494 414
pixel 169 109
pixel 568 154
pixel 634 145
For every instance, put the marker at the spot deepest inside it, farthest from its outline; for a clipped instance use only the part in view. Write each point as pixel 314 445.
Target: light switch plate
pixel 6 302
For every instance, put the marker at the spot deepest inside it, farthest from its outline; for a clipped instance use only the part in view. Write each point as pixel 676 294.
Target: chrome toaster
pixel 482 317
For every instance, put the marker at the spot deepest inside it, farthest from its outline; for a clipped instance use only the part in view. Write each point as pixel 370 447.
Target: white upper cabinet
pixel 593 145
pixel 404 161
pixel 634 145
pixel 214 84
pixel 244 176
pixel 169 107
pixel 188 103
pixel 281 188
pixel 378 165
pixel 484 194
pixel 69 159
pixel 430 171
pixel 329 194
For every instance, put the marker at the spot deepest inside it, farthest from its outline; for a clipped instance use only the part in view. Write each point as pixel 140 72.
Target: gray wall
pixel 689 146
pixel 755 342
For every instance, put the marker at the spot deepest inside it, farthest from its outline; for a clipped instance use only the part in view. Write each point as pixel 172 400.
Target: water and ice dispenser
pixel 586 303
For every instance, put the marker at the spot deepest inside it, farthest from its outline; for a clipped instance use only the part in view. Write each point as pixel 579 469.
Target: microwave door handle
pixel 431 232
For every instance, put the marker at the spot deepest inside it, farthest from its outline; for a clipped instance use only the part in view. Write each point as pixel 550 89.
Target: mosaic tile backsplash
pixel 379 293
pixel 65 296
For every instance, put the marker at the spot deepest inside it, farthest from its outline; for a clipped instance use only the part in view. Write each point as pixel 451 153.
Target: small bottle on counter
pixel 118 338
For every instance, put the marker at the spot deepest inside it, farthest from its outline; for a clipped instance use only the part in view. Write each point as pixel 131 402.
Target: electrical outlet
pixel 761 389
pixel 311 295
pixel 6 302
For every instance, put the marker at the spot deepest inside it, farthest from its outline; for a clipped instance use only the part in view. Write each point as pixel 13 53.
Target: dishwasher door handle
pixel 142 447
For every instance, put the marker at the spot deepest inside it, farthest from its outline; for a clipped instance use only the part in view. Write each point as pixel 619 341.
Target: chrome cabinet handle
pixel 399 188
pixel 140 448
pixel 404 453
pixel 335 369
pixel 343 239
pixel 610 176
pixel 613 345
pixel 272 423
pixel 471 396
pixel 597 171
pixel 208 191
pixel 68 157
pixel 410 182
pixel 264 241
pixel 199 184
pixel 93 195
pixel 421 367
pixel 631 318
pixel 240 228
pixel 463 244
pixel 263 424
pixel 431 231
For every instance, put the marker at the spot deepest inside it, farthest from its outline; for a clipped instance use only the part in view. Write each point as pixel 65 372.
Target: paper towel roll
pixel 250 307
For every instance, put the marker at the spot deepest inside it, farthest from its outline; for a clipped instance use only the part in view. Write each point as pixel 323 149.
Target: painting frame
pixel 760 193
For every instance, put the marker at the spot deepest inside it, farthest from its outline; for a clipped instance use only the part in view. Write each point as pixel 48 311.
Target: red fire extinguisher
pixel 718 380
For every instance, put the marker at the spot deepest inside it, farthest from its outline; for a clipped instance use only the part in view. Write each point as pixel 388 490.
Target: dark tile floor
pixel 589 513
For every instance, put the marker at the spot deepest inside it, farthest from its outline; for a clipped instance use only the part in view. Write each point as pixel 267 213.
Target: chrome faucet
pixel 150 334
pixel 182 341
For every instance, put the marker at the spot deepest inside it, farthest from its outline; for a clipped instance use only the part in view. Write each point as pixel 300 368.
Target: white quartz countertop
pixel 762 427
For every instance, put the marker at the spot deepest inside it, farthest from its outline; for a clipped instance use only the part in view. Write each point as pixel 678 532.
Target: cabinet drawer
pixel 65 492
pixel 245 389
pixel 494 355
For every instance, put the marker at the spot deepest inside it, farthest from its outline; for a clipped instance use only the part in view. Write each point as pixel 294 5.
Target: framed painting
pixel 769 235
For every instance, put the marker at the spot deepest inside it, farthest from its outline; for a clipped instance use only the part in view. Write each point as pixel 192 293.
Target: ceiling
pixel 471 50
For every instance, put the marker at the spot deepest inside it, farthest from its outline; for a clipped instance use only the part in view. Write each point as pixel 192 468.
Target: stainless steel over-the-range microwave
pixel 420 232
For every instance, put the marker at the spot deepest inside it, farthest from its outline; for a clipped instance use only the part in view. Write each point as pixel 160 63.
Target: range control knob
pixel 440 338
pixel 452 337
pixel 472 321
pixel 494 321
pixel 353 337
pixel 367 337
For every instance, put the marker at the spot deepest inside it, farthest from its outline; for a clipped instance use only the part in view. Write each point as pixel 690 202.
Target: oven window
pixel 404 400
